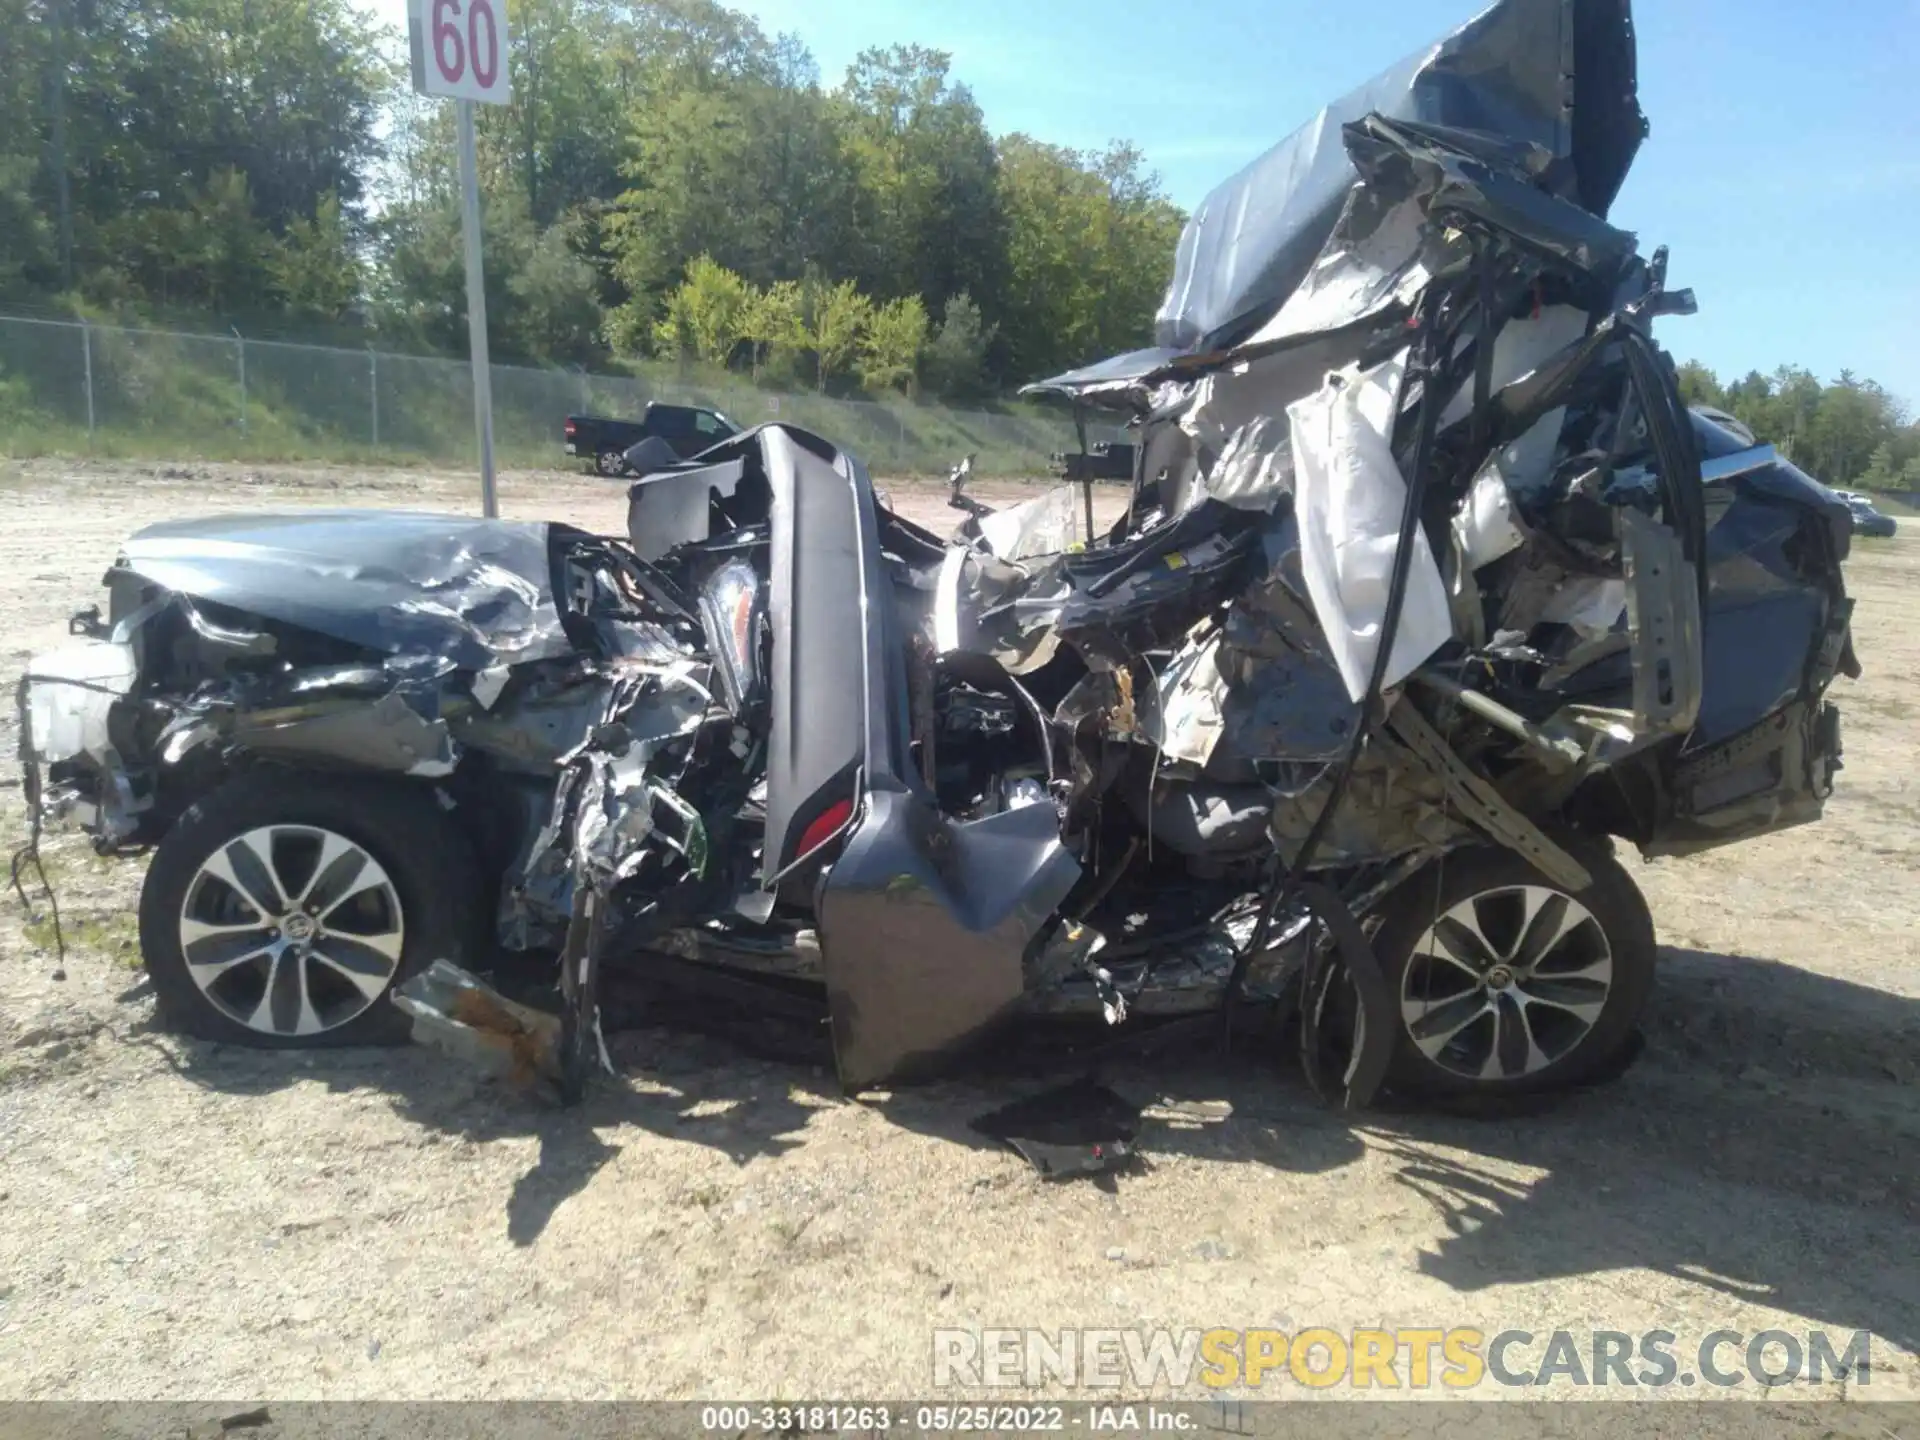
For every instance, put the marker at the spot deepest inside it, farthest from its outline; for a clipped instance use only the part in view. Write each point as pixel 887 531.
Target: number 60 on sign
pixel 459 48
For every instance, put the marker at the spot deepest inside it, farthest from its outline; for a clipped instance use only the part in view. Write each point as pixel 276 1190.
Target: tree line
pixel 665 168
pixel 669 180
pixel 1851 433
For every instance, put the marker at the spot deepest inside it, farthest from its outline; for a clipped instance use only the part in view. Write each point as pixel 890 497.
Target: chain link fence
pixel 66 385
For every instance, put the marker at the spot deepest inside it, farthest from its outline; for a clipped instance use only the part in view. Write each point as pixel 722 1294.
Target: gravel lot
pixel 180 1220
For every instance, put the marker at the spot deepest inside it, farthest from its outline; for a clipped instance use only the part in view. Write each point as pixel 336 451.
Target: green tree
pixel 707 316
pixel 740 162
pixel 542 298
pixel 561 134
pixel 1089 245
pixel 315 269
pixel 956 357
pixel 554 312
pixel 928 201
pixel 890 350
pixel 1699 386
pixel 776 323
pixel 1883 471
pixel 837 318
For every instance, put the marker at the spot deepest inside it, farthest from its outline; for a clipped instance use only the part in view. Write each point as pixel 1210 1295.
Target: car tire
pixel 1522 1016
pixel 381 883
pixel 611 463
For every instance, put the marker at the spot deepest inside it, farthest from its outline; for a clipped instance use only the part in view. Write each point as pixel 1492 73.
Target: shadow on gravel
pixel 1762 1145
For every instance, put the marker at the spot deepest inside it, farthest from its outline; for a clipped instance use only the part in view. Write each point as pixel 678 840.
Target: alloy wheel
pixel 1506 982
pixel 291 930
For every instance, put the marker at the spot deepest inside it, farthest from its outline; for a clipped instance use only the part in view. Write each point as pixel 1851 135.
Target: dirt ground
pixel 179 1220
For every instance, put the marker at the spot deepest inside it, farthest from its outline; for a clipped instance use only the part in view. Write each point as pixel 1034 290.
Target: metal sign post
pixel 459 49
pixel 476 308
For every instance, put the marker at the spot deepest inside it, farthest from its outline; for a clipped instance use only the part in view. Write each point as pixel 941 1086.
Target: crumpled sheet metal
pixel 1048 524
pixel 1237 420
pixel 1192 699
pixel 387 734
pixel 1078 1129
pixel 619 798
pixel 1349 495
pixel 476 592
pixel 1554 74
pixel 461 1015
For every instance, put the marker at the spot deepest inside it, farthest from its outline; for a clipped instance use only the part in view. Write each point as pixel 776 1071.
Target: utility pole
pixel 57 103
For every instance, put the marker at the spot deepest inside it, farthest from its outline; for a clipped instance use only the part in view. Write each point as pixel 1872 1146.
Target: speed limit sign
pixel 459 49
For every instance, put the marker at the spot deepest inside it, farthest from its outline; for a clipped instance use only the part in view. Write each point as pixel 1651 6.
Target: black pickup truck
pixel 603 443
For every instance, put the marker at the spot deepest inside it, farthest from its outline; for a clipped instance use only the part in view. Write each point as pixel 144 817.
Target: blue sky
pixel 1783 169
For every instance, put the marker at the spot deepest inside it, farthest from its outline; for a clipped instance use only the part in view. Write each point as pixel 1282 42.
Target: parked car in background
pixel 604 442
pixel 1868 519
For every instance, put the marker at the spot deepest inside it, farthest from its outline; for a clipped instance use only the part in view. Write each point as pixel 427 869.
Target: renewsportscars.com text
pixel 1457 1358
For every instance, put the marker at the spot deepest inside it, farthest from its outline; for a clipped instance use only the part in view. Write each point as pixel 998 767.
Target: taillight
pixel 831 821
pixel 570 429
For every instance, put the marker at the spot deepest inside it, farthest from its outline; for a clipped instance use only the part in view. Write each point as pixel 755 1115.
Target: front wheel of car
pixel 1506 982
pixel 284 907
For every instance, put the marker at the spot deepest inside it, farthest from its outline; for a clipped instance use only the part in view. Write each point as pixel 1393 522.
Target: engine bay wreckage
pixel 780 744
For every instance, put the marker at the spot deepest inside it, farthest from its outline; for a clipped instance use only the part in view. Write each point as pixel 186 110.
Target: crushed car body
pixel 1428 589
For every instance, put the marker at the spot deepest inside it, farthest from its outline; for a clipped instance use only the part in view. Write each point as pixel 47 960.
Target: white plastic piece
pixel 70 694
pixel 1350 494
pixel 946 600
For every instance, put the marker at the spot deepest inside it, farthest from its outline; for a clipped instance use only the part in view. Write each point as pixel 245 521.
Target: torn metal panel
pixel 618 805
pixel 1392 807
pixel 1773 776
pixel 1113 381
pixel 1048 524
pixel 1480 802
pixel 1592 605
pixel 1772 605
pixel 1483 526
pixel 1663 617
pixel 1192 695
pixel 462 1016
pixel 1077 1129
pixel 1555 74
pixel 388 734
pixel 1523 344
pixel 533 729
pixel 923 926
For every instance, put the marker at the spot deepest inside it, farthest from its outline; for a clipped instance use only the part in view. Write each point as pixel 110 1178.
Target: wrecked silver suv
pixel 779 744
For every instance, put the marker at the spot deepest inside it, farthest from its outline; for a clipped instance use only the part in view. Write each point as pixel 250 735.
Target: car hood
pixel 477 592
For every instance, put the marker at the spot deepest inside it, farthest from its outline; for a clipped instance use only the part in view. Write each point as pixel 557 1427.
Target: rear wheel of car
pixel 1506 982
pixel 284 907
pixel 610 462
